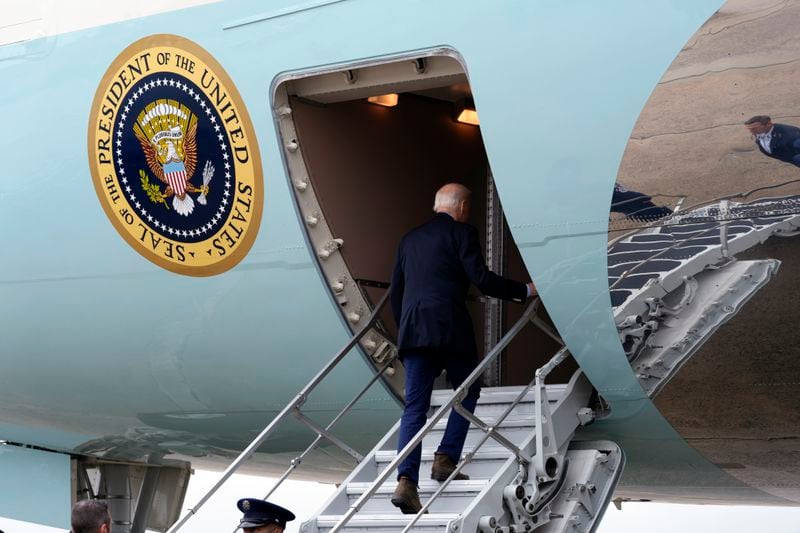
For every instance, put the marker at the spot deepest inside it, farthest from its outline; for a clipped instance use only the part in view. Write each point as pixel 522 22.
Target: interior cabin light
pixel 468 116
pixel 466 113
pixel 386 100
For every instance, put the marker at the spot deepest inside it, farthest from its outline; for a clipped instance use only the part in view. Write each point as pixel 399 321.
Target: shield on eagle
pixel 167 130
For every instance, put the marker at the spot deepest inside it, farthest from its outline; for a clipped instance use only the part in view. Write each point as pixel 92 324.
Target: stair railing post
pixel 546 445
pixel 724 213
pixel 297 401
pixel 297 461
pixel 437 415
pixel 467 457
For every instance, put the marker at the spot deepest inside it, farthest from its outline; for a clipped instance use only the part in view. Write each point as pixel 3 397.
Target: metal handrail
pixel 299 459
pixel 290 410
pixel 667 221
pixel 743 194
pixel 457 395
pixel 489 431
pixel 546 424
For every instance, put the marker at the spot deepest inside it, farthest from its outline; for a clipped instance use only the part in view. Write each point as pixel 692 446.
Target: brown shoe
pixel 406 497
pixel 443 466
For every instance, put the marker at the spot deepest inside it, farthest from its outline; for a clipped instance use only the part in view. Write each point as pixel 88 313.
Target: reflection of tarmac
pixel 716 339
pixel 736 399
pixel 690 137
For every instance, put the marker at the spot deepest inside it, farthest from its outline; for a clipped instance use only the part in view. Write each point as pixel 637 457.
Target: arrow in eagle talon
pixel 208 173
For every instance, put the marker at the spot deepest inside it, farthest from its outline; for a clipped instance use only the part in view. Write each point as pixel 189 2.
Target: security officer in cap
pixel 263 517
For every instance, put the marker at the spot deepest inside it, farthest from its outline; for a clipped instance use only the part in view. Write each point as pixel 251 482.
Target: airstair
pixel 527 473
pixel 505 492
pixel 674 284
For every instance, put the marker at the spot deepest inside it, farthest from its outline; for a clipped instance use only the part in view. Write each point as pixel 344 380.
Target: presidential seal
pixel 174 158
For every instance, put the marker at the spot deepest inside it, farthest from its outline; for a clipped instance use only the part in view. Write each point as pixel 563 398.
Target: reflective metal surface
pixel 703 245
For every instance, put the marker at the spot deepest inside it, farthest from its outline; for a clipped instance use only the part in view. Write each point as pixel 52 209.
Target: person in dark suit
pixel 435 264
pixel 779 141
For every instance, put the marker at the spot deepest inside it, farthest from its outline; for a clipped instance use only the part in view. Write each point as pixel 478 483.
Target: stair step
pixel 514 433
pixel 501 395
pixel 496 404
pixel 425 486
pixel 488 452
pixel 455 497
pixel 378 515
pixel 387 522
pixel 483 465
pixel 463 503
pixel 494 410
pixel 510 422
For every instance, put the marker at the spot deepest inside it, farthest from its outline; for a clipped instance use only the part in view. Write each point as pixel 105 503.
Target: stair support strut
pixel 290 408
pixel 530 312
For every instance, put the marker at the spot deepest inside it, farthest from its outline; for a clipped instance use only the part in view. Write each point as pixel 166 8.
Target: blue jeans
pixel 423 366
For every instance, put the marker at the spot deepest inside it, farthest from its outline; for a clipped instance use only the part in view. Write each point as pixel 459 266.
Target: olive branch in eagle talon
pixel 189 159
pixel 167 133
pixel 153 190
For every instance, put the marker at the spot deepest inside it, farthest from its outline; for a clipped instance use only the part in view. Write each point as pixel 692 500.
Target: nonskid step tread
pixel 379 516
pixel 515 422
pixel 387 520
pixel 501 395
pixel 425 486
pixel 485 453
pixel 509 389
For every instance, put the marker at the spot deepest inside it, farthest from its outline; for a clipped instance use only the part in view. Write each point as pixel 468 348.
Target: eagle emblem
pixel 174 157
pixel 167 133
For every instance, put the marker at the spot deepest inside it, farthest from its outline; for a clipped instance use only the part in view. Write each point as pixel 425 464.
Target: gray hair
pixel 450 196
pixel 89 515
pixel 761 119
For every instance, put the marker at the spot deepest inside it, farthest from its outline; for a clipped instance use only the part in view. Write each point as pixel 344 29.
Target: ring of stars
pixel 135 203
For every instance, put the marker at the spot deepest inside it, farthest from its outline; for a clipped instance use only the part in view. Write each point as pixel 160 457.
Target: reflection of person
pixel 434 267
pixel 780 141
pixel 90 516
pixel 263 517
pixel 636 205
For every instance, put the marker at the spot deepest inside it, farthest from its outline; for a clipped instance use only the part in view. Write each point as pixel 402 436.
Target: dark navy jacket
pixel 434 267
pixel 785 144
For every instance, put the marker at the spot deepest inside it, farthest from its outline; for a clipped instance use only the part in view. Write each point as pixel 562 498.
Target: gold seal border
pixel 251 232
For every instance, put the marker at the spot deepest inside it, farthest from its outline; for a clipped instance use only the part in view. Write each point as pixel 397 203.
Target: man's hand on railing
pixel 532 290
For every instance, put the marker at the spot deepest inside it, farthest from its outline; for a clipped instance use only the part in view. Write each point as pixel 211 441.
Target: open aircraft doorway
pixel 366 146
pixel 704 243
